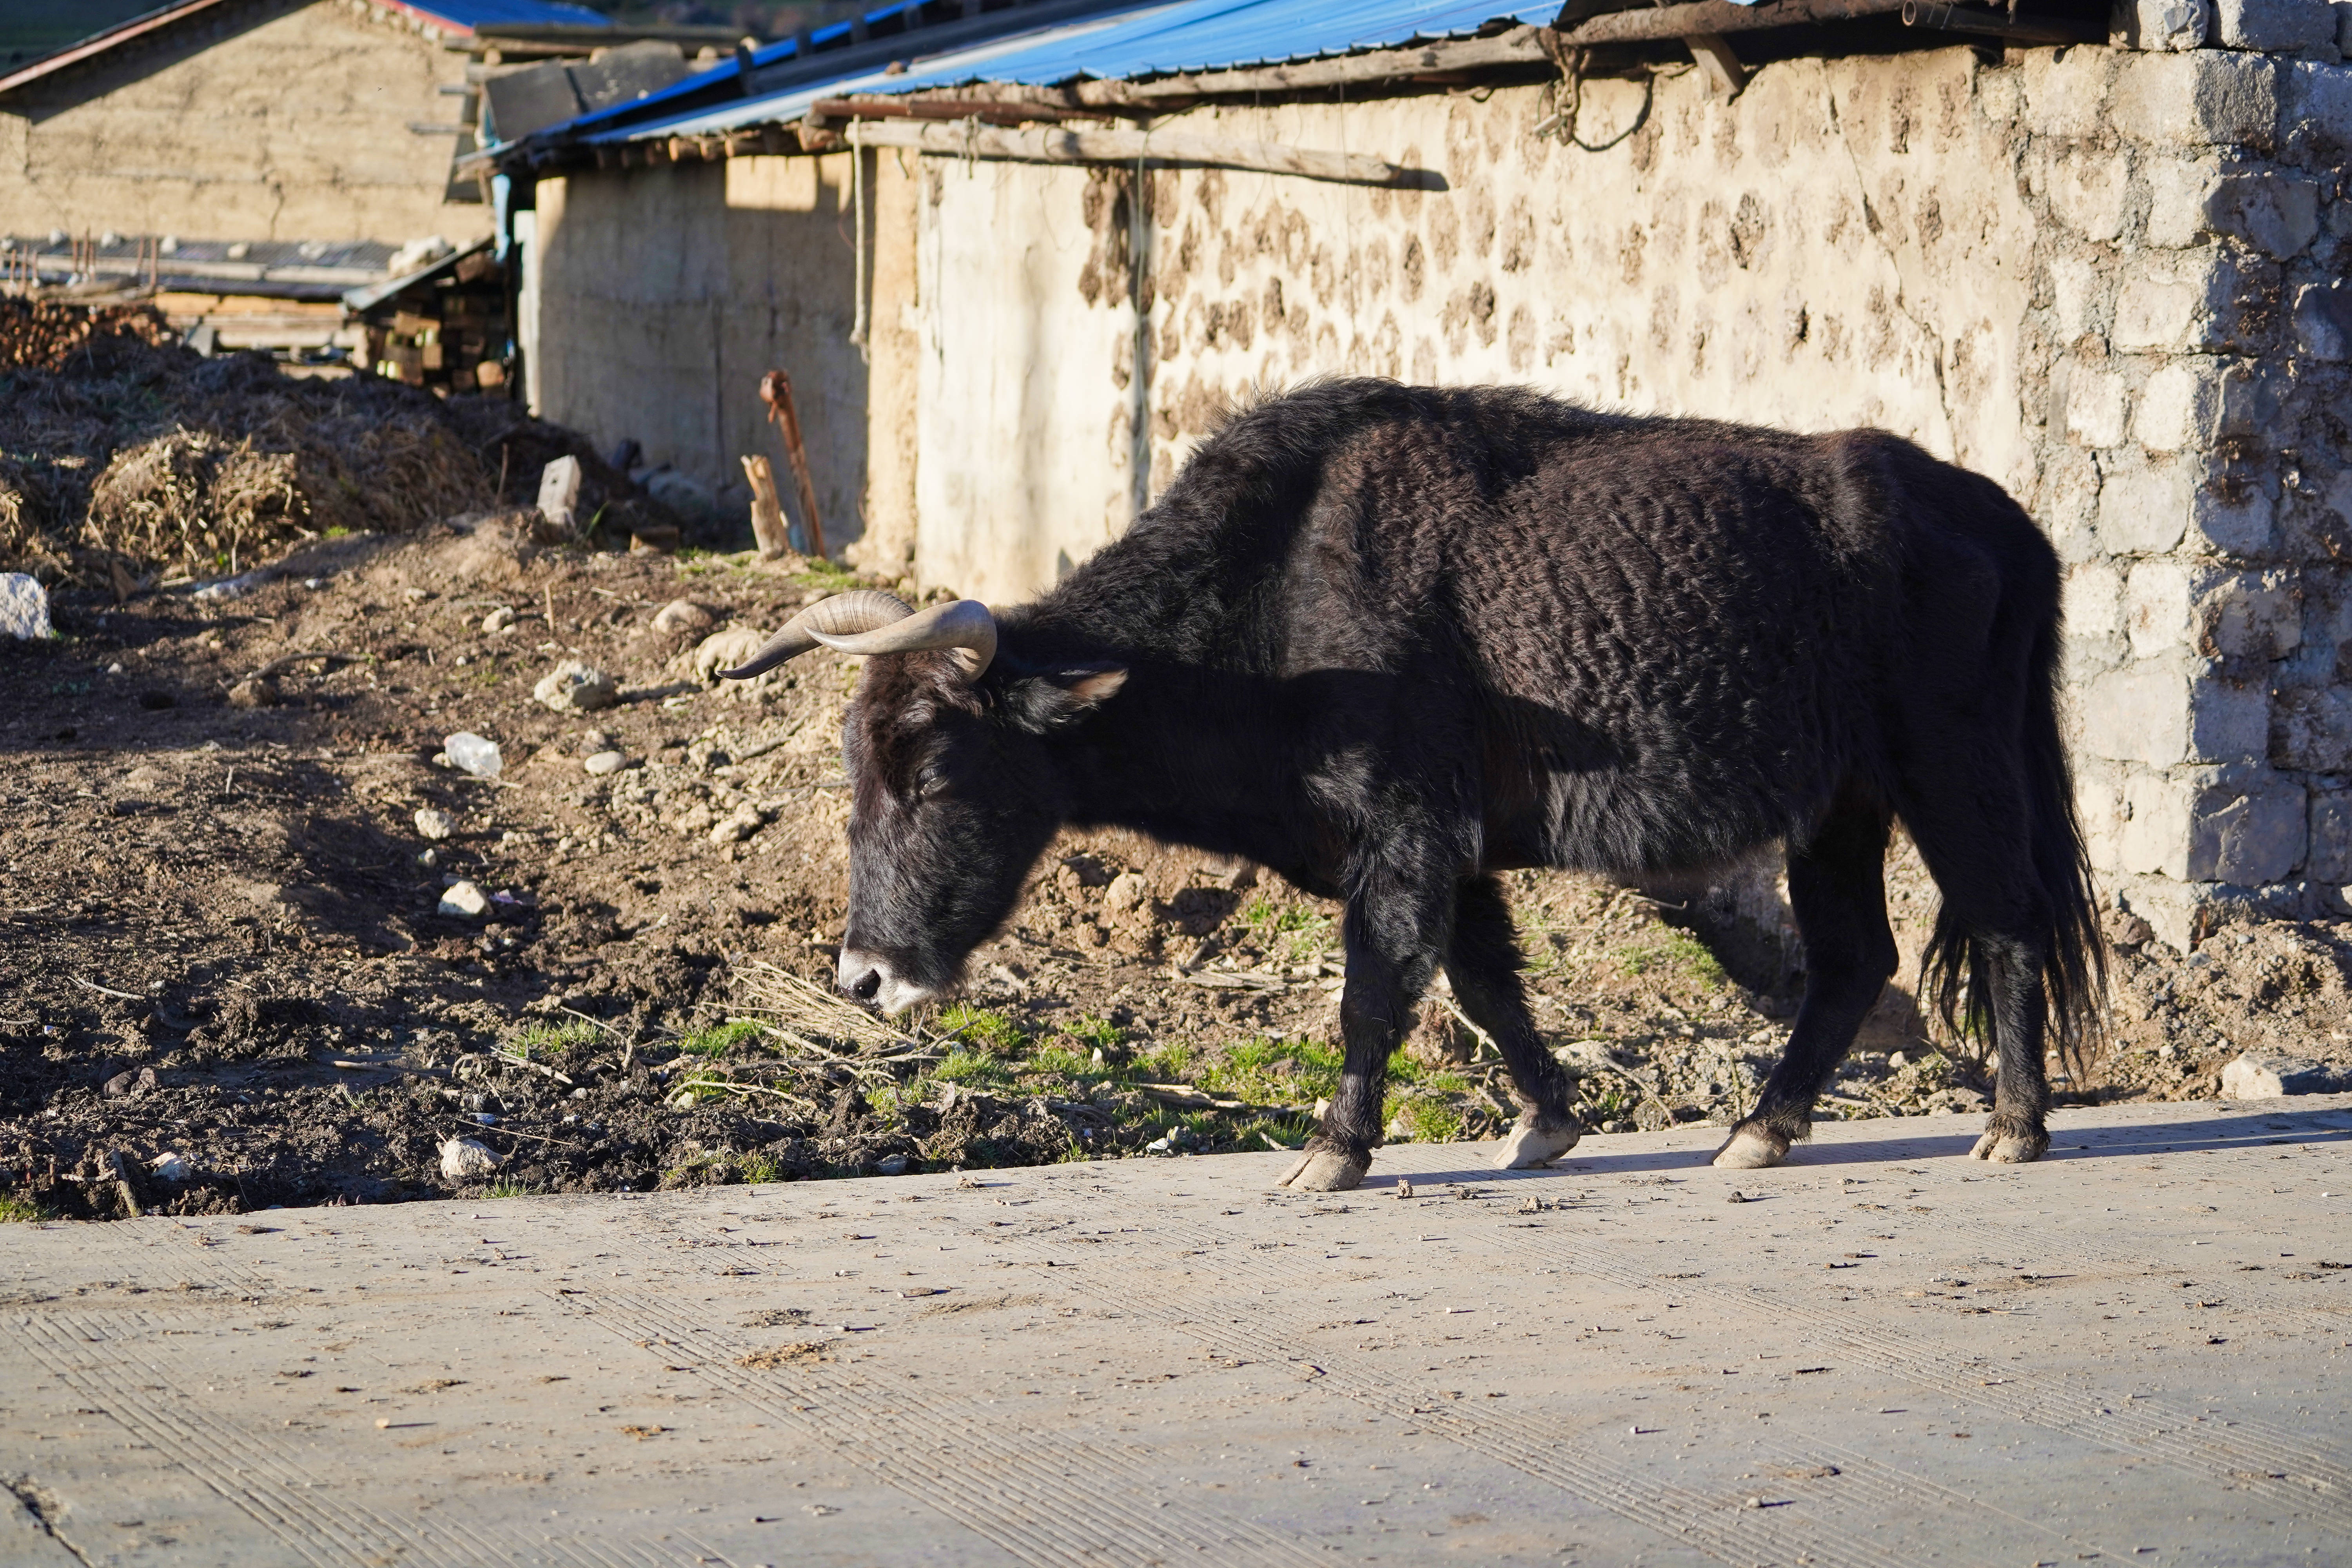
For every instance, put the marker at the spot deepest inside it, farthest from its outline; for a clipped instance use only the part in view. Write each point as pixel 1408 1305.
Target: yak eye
pixel 930 781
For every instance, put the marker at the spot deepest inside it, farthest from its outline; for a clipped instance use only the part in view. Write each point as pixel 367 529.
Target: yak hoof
pixel 1327 1168
pixel 2003 1147
pixel 1751 1149
pixel 1532 1143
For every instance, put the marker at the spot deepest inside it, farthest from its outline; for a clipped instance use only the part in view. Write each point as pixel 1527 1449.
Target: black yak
pixel 1388 641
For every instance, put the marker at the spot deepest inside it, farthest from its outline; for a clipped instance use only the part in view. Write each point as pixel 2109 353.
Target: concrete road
pixel 1881 1353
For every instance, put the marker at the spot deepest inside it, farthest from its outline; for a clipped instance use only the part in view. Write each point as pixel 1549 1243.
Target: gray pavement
pixel 1881 1353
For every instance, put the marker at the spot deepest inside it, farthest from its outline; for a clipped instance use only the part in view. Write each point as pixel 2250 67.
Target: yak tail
pixel 1957 973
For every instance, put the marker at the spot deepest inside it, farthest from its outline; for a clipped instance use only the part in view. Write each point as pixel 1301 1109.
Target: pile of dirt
pixel 123 457
pixel 223 936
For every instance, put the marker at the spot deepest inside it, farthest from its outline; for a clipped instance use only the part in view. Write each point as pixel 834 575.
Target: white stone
pixel 2249 836
pixel 2156 606
pixel 2144 511
pixel 464 1160
pixel 745 820
pixel 2262 1076
pixel 2065 92
pixel 725 649
pixel 2168 416
pixel 2077 287
pixel 2228 721
pixel 2153 840
pixel 23 606
pixel 172 1167
pixel 572 687
pixel 2097 408
pixel 435 824
pixel 2095 600
pixel 603 763
pixel 502 619
pixel 2201 98
pixel 559 495
pixel 466 900
pixel 2180 192
pixel 2087 191
pixel 2137 714
pixel 2241 526
pixel 2160 312
pixel 2274 212
pixel 2275 27
pixel 2164 24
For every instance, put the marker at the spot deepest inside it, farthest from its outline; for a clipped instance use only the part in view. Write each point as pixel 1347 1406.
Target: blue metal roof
pixel 468 14
pixel 1189 36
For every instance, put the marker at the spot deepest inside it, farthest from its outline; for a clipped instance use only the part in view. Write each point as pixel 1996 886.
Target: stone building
pixel 2097 259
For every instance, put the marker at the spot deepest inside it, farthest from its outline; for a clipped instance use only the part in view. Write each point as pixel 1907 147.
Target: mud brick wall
pixel 291 124
pixel 2106 276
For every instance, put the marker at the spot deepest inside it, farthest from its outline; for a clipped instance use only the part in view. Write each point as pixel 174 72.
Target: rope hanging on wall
pixel 857 217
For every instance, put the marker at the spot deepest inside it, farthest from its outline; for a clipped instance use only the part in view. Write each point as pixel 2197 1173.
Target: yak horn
pixel 862 611
pixel 965 625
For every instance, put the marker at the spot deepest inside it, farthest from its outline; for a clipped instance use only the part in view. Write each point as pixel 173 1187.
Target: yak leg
pixel 1837 889
pixel 1482 959
pixel 1982 865
pixel 1396 925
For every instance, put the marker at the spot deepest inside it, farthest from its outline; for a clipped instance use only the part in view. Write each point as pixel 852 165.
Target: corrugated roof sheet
pixel 1190 35
pixel 465 15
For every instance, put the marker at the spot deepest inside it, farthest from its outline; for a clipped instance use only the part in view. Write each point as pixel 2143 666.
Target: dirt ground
pixel 224 940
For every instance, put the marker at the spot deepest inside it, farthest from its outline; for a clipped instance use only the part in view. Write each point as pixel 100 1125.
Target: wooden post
pixel 767 513
pixel 776 390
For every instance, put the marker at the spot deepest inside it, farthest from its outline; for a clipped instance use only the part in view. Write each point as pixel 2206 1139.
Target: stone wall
pixel 290 128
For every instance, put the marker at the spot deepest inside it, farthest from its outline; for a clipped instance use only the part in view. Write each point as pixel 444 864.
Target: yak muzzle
pixel 868 977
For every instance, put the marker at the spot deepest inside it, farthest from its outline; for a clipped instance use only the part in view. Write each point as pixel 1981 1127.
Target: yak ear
pixel 1051 699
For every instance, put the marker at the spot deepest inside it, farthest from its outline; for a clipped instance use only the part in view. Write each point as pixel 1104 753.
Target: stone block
pixel 2315 105
pixel 2158 609
pixel 2079 286
pixel 2137 714
pixel 2065 92
pixel 2180 191
pixel 2171 413
pixel 2098 804
pixel 2201 98
pixel 2322 316
pixel 2246 401
pixel 2144 511
pixel 2095 600
pixel 2238 524
pixel 2097 407
pixel 2329 859
pixel 2249 615
pixel 2310 728
pixel 2262 1075
pixel 2168 905
pixel 2163 25
pixel 2275 27
pixel 2274 212
pixel 2247 834
pixel 2153 840
pixel 2087 192
pixel 2228 721
pixel 2169 311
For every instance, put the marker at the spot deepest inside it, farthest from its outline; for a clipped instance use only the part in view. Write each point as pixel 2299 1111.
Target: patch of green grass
pixel 1293 929
pixel 1610 1104
pixel 1097 1033
pixel 1266 1070
pixel 509 1190
pixel 734 1035
pixel 757 1168
pixel 336 530
pixel 1057 1060
pixel 830 575
pixel 1670 952
pixel 537 1042
pixel 1165 1064
pixel 970 1066
pixel 14 1210
pixel 987 1031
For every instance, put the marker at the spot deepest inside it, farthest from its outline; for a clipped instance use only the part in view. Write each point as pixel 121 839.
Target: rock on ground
pixel 465 1160
pixel 572 687
pixel 24 606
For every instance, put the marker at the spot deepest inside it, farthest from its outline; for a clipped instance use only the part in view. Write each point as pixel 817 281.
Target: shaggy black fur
pixel 1389 640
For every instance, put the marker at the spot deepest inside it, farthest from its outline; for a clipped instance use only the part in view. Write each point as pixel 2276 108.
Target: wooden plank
pixel 1663 22
pixel 1059 146
pixel 1520 46
pixel 767 512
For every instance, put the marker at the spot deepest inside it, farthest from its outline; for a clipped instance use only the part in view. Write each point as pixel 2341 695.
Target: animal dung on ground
pixel 464 1160
pixel 466 900
pixel 682 615
pixel 572 687
pixel 435 824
